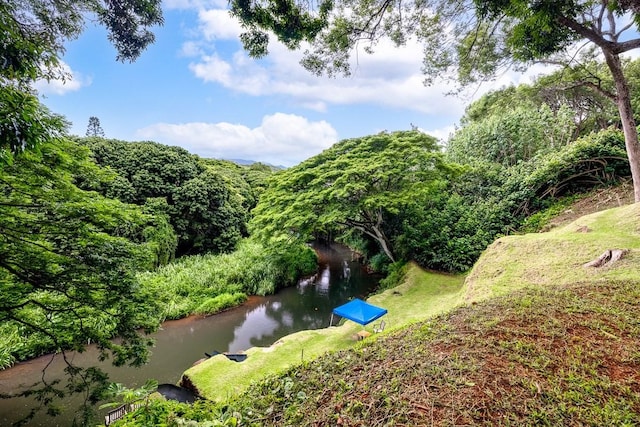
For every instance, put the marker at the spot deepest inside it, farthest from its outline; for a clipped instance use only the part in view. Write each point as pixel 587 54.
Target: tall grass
pixel 205 284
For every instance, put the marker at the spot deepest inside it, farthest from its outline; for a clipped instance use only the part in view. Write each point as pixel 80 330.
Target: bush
pixel 197 284
pixel 220 302
pixel 396 274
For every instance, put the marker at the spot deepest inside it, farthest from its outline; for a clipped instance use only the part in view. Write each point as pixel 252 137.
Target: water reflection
pixel 258 323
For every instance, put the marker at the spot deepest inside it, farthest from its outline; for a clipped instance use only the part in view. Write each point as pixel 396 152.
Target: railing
pixel 120 412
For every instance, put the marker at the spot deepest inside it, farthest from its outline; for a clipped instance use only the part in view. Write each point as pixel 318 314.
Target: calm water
pixel 258 323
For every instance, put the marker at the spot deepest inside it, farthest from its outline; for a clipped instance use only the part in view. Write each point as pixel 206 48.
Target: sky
pixel 196 88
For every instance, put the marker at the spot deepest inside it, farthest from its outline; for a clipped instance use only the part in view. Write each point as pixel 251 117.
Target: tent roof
pixel 360 311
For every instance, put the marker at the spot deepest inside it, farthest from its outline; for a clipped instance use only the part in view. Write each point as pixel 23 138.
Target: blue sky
pixel 196 88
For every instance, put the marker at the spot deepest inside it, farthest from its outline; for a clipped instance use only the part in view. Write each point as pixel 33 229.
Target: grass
pixel 531 338
pixel 207 284
pixel 424 296
pixel 557 257
pixel 535 357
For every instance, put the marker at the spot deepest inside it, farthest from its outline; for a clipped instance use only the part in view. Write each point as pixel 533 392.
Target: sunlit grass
pixel 424 295
pixel 557 257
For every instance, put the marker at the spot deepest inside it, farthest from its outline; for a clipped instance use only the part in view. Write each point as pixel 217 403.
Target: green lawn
pixel 422 296
pixel 557 257
pixel 511 263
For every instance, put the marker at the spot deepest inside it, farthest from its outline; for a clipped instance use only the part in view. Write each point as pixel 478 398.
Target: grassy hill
pixel 529 337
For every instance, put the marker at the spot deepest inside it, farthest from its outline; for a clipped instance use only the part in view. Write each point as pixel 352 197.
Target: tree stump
pixel 608 258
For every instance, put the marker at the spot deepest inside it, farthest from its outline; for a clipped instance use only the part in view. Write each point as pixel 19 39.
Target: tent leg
pixel 331 321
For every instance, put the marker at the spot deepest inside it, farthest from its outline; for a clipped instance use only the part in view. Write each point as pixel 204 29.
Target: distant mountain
pixel 244 162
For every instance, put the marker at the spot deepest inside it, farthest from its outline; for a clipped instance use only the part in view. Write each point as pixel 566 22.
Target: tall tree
pixel 475 38
pixel 68 260
pixel 32 36
pixel 94 128
pixel 66 269
pixel 358 184
pixel 206 204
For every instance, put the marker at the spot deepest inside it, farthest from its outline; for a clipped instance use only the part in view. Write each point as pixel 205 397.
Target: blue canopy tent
pixel 359 311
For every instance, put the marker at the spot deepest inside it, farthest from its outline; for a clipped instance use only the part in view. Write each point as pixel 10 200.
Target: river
pixel 259 322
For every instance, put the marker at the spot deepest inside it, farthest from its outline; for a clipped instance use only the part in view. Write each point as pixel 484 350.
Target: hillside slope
pixel 541 340
pixel 560 346
pixel 557 257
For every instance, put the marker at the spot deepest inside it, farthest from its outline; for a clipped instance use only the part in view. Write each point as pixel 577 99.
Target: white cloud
pixel 442 134
pixel 72 82
pixel 213 69
pixel 281 139
pixel 217 24
pixel 391 77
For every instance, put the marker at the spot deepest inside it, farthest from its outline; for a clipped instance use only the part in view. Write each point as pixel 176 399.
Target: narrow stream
pixel 259 322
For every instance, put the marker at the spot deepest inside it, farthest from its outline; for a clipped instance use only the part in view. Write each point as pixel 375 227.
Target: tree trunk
pixel 384 243
pixel 623 101
pixel 373 228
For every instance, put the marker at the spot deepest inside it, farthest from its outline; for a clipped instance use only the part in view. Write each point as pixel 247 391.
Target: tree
pixel 208 216
pixel 32 35
pixel 67 257
pixel 474 38
pixel 68 263
pixel 505 127
pixel 358 184
pixel 94 128
pixel 207 202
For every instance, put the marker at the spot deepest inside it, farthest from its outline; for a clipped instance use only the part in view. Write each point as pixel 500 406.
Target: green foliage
pixel 25 123
pixel 396 274
pixel 288 19
pixel 152 169
pixel 595 160
pixel 511 135
pixel 205 284
pixel 358 184
pixel 171 413
pixel 540 219
pixel 379 263
pixel 449 232
pixel 34 32
pixel 206 214
pixel 67 260
pixel 207 202
pixel 449 229
pixel 125 395
pixel 32 35
pixel 220 302
pixel 248 181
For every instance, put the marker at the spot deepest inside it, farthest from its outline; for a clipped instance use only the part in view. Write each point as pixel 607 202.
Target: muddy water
pixel 259 322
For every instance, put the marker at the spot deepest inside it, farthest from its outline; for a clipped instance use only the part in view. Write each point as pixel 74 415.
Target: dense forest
pixel 102 238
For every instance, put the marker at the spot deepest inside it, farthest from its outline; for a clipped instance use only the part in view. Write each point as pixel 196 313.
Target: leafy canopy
pixel 68 260
pixel 356 184
pixel 32 36
pixel 467 40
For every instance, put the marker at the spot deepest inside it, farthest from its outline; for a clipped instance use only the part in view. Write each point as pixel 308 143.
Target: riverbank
pixel 423 295
pixel 259 322
pixel 537 338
